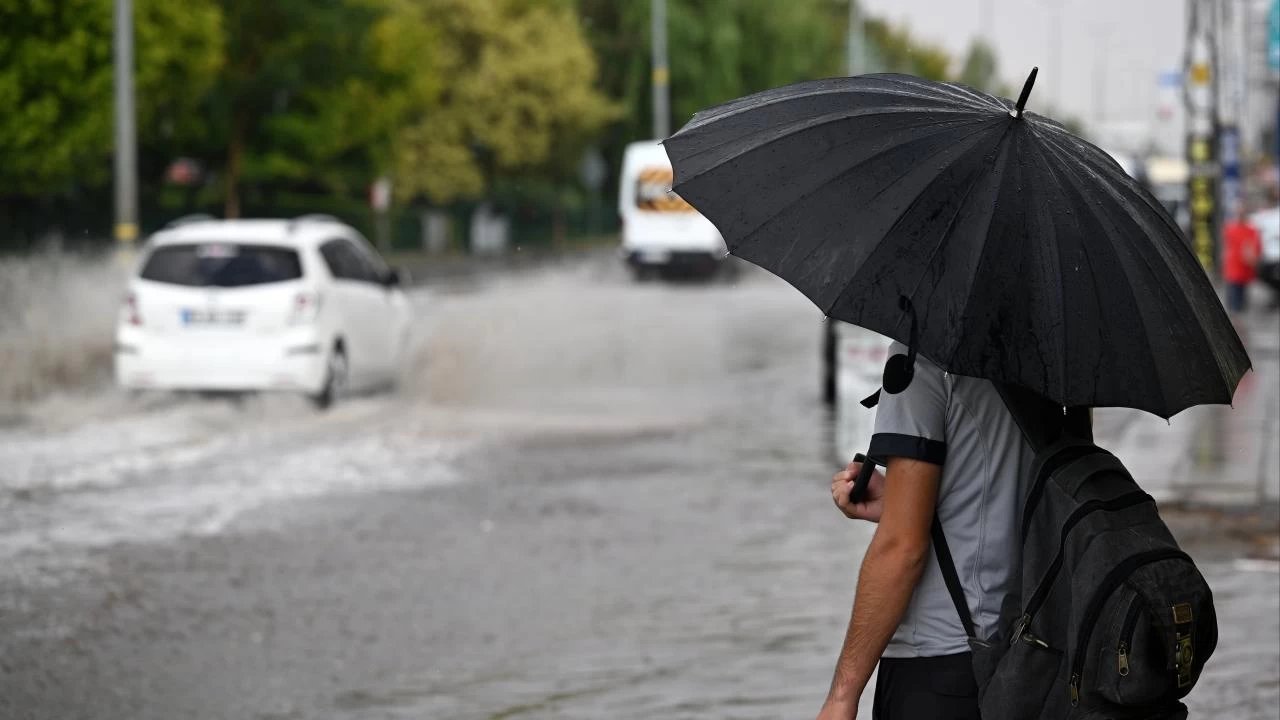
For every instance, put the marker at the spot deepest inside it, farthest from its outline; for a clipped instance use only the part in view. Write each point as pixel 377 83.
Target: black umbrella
pixel 1024 254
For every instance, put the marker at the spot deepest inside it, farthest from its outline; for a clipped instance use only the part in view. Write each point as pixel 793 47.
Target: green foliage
pixel 298 101
pixel 520 97
pixel 56 85
pixel 718 50
pixel 979 69
pixel 896 50
pixel 723 49
pixel 455 99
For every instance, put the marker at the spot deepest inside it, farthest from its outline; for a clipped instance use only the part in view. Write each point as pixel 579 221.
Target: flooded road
pixel 588 498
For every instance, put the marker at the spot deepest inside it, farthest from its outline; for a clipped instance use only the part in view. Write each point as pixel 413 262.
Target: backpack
pixel 1109 618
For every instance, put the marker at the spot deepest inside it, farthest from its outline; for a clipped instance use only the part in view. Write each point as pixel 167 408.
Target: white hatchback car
pixel 302 305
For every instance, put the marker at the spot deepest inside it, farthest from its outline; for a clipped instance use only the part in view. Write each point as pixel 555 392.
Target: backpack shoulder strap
pixel 1044 426
pixel 951 578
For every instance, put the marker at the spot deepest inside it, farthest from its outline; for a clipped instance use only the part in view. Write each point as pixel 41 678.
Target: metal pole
pixel 987 21
pixel 1100 77
pixel 126 155
pixel 1200 97
pixel 1244 119
pixel 661 73
pixel 856 42
pixel 1055 53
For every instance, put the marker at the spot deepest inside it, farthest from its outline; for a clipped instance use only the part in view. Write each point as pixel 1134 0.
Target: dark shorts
pixel 932 688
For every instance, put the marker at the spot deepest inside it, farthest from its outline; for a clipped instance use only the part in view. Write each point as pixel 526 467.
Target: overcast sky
pixel 1134 40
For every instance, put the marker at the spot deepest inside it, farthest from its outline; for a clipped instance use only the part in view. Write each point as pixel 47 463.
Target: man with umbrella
pixel 952 448
pixel 1005 256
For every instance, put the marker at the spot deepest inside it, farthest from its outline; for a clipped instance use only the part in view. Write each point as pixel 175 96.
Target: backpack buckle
pixel 1019 628
pixel 1182 613
pixel 1184 648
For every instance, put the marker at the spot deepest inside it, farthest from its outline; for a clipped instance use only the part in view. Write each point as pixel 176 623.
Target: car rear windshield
pixel 221 265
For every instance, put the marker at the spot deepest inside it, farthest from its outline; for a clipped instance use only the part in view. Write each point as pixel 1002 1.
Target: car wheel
pixel 641 272
pixel 335 380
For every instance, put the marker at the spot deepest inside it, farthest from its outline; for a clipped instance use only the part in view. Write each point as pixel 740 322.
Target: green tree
pixel 895 49
pixel 980 69
pixel 519 96
pixel 718 49
pixel 56 85
pixel 297 102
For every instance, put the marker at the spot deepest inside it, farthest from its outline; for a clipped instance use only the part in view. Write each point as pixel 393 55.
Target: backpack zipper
pixel 1126 636
pixel 1113 580
pixel 1136 497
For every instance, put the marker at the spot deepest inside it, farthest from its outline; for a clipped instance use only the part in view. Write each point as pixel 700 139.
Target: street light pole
pixel 1200 96
pixel 1055 50
pixel 126 149
pixel 1103 34
pixel 856 42
pixel 661 73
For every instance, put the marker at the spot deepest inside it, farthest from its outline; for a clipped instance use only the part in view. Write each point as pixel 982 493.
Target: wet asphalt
pixel 588 498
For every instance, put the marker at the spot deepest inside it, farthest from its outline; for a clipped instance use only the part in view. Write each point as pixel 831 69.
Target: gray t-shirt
pixel 961 424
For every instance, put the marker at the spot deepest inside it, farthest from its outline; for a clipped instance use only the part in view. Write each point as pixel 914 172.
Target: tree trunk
pixel 235 162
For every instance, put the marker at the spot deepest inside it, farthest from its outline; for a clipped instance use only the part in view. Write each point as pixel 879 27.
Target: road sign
pixel 1273 36
pixel 593 170
pixel 380 194
pixel 1229 156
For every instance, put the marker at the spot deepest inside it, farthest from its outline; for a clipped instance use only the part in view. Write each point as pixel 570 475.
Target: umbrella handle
pixel 859 492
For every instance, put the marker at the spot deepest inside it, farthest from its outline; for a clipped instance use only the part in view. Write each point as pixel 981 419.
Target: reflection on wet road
pixel 588 499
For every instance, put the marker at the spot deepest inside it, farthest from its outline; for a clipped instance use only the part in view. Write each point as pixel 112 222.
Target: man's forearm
pixel 886 582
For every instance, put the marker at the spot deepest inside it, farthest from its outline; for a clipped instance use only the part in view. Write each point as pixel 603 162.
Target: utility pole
pixel 1226 56
pixel 856 41
pixel 1057 73
pixel 126 156
pixel 661 73
pixel 1103 34
pixel 1200 97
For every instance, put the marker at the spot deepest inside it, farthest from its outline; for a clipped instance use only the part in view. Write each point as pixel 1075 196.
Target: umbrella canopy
pixel 1028 255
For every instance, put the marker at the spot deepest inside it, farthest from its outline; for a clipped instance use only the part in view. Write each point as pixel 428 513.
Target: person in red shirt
pixel 1242 247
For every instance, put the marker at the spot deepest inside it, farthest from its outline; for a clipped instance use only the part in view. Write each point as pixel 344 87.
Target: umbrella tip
pixel 1026 92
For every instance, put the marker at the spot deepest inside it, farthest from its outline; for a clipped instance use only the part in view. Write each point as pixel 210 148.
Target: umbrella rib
pixel 1052 172
pixel 946 89
pixel 964 201
pixel 823 87
pixel 809 124
pixel 1105 224
pixel 1181 299
pixel 897 221
pixel 841 174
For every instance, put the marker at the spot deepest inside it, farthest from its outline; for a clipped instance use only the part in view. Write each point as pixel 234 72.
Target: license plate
pixel 655 256
pixel 204 318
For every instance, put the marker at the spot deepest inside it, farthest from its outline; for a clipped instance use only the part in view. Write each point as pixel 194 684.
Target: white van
pixel 660 231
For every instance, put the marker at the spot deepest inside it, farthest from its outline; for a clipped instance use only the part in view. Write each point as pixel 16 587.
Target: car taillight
pixel 131 309
pixel 306 307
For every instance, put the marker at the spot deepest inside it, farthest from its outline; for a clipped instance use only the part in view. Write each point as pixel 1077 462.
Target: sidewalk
pixel 1215 456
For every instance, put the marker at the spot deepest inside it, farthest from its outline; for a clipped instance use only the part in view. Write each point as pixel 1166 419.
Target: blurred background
pixel 594 481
